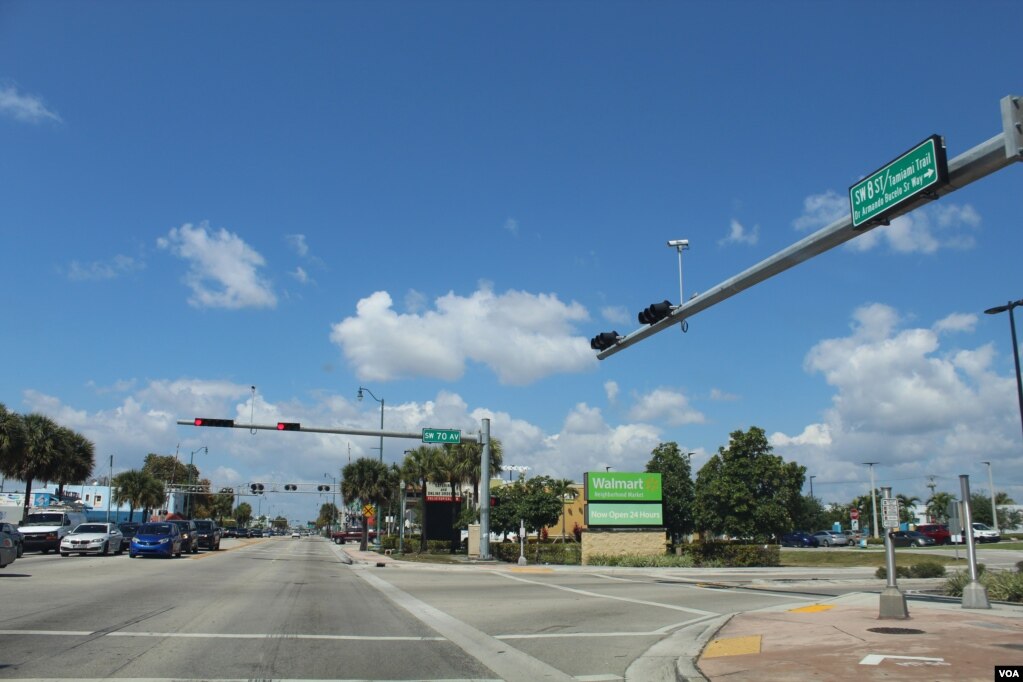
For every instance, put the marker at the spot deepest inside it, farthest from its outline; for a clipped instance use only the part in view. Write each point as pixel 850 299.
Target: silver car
pixel 93 538
pixel 829 538
pixel 8 549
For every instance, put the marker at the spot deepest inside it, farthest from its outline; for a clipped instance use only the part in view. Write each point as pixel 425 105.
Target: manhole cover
pixel 896 631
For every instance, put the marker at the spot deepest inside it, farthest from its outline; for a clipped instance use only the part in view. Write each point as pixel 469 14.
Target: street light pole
pixel 381 401
pixel 873 497
pixel 188 493
pixel 994 508
pixel 1015 350
pixel 811 486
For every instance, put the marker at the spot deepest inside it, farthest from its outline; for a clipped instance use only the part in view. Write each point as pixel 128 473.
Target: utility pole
pixel 873 498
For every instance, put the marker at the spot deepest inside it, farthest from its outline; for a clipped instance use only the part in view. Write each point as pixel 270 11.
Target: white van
pixel 44 528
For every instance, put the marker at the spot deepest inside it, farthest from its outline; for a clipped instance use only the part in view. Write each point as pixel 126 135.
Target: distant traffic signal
pixel 323 488
pixel 290 486
pixel 206 421
pixel 289 426
pixel 655 313
pixel 604 340
pixel 256 488
pixel 227 491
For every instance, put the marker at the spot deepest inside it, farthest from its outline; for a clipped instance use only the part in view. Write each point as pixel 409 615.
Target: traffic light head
pixel 290 486
pixel 604 340
pixel 655 313
pixel 206 421
pixel 289 426
pixel 256 488
pixel 323 488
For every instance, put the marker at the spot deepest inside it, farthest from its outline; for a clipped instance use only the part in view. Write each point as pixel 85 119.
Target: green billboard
pixel 623 514
pixel 621 486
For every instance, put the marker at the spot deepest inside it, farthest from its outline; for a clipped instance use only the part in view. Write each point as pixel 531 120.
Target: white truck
pixel 45 527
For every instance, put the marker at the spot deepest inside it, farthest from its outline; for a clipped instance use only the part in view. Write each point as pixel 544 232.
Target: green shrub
pixel 1000 585
pixel 642 561
pixel 729 554
pixel 900 572
pixel 927 569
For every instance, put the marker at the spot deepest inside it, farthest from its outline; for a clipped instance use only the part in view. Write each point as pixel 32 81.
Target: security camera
pixel 679 243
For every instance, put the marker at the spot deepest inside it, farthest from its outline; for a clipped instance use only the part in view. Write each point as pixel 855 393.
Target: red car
pixel 937 532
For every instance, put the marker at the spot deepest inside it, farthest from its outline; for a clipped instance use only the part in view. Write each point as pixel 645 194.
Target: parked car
pixel 985 533
pixel 92 538
pixel 16 536
pixel 936 531
pixel 910 538
pixel 798 539
pixel 209 534
pixel 830 538
pixel 128 531
pixel 160 538
pixel 295 534
pixel 8 550
pixel 853 536
pixel 189 535
pixel 44 528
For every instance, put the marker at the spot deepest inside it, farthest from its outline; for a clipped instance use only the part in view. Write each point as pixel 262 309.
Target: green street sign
pixel 621 486
pixel 623 514
pixel 442 435
pixel 921 168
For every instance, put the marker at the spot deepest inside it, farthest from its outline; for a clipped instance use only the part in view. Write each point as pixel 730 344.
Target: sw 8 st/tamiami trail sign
pixel 922 168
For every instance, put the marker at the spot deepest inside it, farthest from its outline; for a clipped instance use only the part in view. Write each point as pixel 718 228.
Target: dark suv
pixel 16 537
pixel 189 535
pixel 209 534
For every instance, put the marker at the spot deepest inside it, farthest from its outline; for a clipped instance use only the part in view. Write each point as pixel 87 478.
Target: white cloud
pixel 26 108
pixel 301 275
pixel 665 405
pixel 223 270
pixel 611 390
pixel 297 244
pixel 956 322
pixel 818 435
pixel 820 210
pixel 521 337
pixel 512 227
pixel 616 314
pixel 718 394
pixel 738 234
pixel 100 270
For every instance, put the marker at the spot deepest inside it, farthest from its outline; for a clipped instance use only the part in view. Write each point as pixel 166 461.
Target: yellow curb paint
pixel 813 608
pixel 733 646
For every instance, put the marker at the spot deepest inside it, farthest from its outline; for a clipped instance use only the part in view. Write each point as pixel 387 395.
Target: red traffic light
pixel 206 421
pixel 289 426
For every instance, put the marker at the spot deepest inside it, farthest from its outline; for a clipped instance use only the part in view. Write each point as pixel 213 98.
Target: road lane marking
pixel 587 593
pixel 877 659
pixel 218 635
pixel 733 646
pixel 509 663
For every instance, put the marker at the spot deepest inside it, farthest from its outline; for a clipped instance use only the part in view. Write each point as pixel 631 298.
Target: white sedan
pixel 93 538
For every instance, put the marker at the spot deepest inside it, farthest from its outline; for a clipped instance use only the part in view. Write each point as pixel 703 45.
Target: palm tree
pixel 40 453
pixel 364 479
pixel 76 462
pixel 154 494
pixel 906 502
pixel 12 439
pixel 937 506
pixel 449 467
pixel 471 455
pixel 129 487
pixel 566 490
pixel 416 467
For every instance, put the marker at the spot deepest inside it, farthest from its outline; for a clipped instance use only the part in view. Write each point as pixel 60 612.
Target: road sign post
pixel 922 168
pixel 442 436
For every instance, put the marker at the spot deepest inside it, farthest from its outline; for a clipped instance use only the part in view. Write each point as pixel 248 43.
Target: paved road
pixel 282 608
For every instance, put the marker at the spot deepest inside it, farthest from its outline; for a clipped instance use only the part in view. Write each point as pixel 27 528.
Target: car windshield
pixel 44 520
pixel 204 525
pixel 90 528
pixel 154 529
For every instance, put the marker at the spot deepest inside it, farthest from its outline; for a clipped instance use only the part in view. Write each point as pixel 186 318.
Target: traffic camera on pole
pixel 206 421
pixel 655 312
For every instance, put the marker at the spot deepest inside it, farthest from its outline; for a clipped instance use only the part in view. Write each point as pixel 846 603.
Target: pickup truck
pixel 340 537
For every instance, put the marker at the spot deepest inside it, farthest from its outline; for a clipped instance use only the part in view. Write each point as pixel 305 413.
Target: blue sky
pixel 444 201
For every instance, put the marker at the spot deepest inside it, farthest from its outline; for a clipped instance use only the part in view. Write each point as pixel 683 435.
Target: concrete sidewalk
pixel 843 639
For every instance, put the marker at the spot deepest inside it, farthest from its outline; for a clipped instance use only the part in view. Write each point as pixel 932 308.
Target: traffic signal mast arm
pixel 416 435
pixel 980 161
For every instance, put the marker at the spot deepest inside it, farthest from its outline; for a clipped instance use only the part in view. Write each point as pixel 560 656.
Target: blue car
pixel 159 538
pixel 798 539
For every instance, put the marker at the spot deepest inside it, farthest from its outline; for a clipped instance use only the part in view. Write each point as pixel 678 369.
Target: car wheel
pixel 827 544
pixel 21 551
pixel 106 548
pixel 132 556
pixel 65 553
